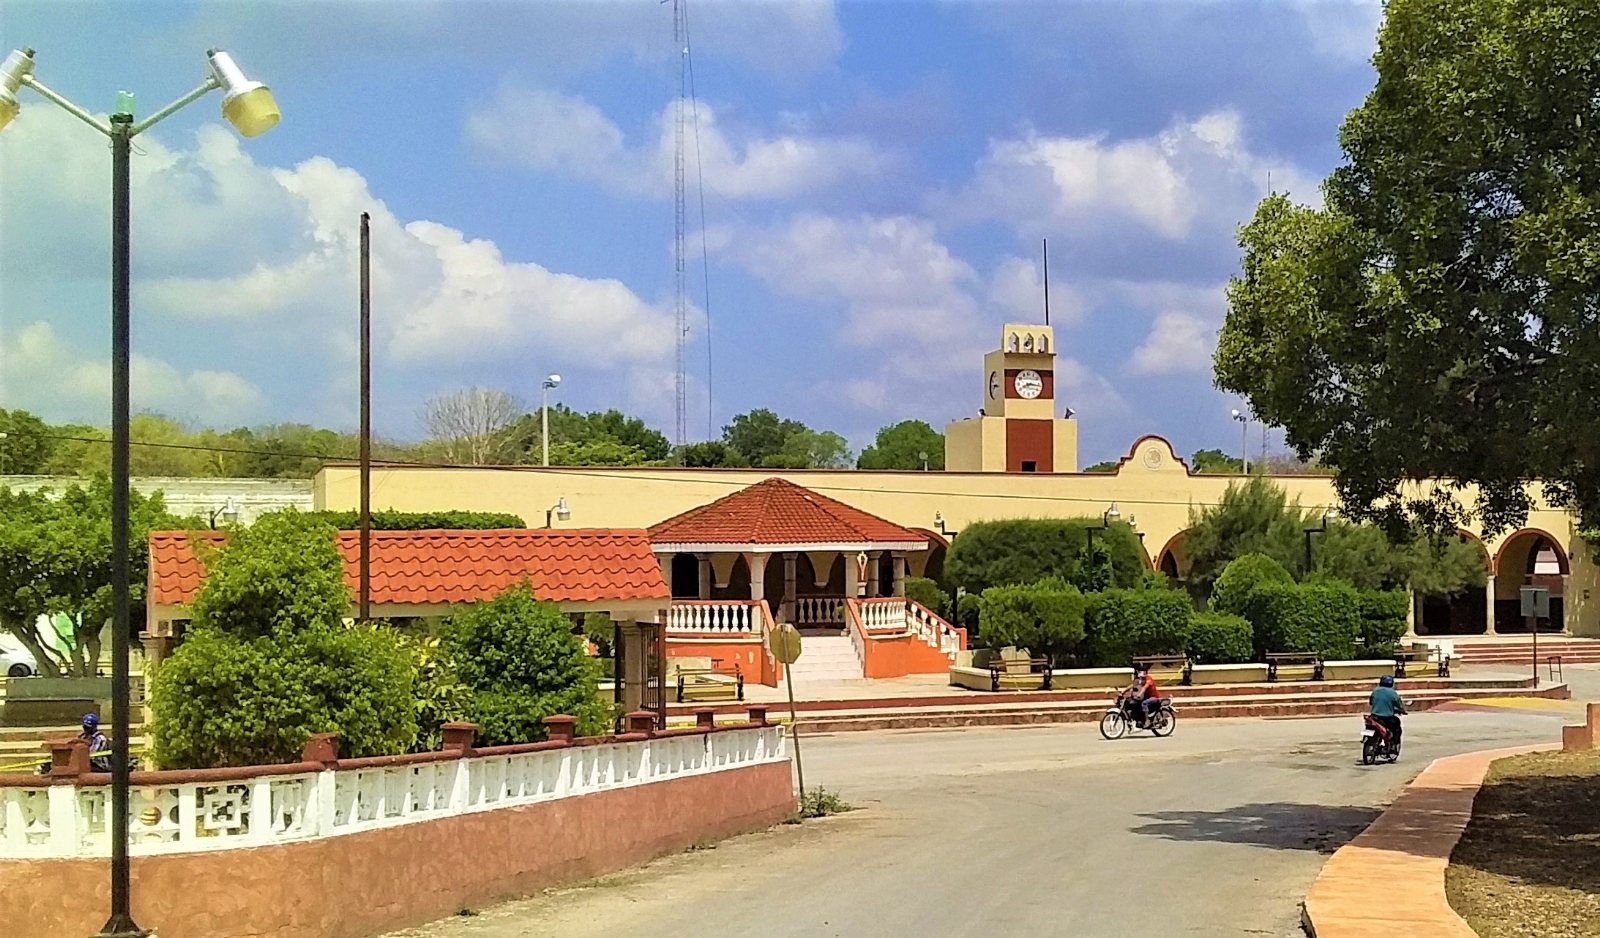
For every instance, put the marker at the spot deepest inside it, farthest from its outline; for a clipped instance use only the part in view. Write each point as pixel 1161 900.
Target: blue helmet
pixel 1386 681
pixel 91 721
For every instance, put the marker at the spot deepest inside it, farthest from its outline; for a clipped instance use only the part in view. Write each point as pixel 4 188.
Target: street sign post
pixel 1535 606
pixel 784 642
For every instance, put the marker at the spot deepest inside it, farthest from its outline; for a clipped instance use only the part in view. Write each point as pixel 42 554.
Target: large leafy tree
pixel 25 444
pixel 759 434
pixel 55 559
pixel 1440 317
pixel 902 446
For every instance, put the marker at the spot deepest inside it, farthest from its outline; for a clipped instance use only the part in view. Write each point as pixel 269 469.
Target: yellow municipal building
pixel 1017 458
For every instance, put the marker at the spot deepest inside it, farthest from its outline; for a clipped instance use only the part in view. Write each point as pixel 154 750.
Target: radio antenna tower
pixel 680 39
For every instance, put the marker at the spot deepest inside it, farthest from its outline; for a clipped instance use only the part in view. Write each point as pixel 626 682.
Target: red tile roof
pixel 778 512
pixel 430 567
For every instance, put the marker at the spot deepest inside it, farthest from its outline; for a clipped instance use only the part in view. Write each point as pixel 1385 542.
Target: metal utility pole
pixel 680 300
pixel 365 603
pixel 1046 243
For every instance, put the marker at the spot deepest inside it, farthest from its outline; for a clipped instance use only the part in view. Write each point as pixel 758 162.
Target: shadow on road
pixel 1279 825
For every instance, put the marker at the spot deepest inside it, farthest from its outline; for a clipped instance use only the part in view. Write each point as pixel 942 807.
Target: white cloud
pixel 272 252
pixel 1177 343
pixel 1017 288
pixel 42 373
pixel 1193 173
pixel 549 131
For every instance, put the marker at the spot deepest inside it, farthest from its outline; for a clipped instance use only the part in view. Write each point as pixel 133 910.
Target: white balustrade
pixel 818 610
pixel 884 615
pixel 66 820
pixel 932 629
pixel 722 618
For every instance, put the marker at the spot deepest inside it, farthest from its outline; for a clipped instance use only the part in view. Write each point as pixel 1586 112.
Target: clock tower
pixel 1017 429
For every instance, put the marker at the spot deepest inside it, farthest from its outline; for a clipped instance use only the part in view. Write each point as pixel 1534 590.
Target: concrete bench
pixel 1245 673
pixel 62 701
pixel 1165 669
pixel 1368 670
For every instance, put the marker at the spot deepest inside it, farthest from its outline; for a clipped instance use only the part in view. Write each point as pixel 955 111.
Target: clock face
pixel 994 385
pixel 1029 384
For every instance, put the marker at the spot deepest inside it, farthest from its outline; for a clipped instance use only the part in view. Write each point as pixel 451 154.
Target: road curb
pixel 1390 878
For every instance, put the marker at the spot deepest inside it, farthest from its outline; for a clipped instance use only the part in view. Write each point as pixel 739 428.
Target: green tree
pixel 902 446
pixel 1252 517
pixel 712 454
pixel 759 435
pixel 596 452
pixel 1020 551
pixel 523 662
pixel 811 449
pixel 1231 593
pixel 1109 465
pixel 268 661
pixel 1215 461
pixel 1436 320
pixel 930 594
pixel 1044 617
pixel 25 444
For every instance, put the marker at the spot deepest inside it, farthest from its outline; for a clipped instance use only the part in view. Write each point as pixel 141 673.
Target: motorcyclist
pixel 99 746
pixel 1387 708
pixel 1144 693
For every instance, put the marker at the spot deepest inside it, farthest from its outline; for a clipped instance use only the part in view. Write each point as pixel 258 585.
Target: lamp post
pixel 1319 529
pixel 249 107
pixel 1111 514
pixel 3 438
pixel 559 510
pixel 1244 438
pixel 550 383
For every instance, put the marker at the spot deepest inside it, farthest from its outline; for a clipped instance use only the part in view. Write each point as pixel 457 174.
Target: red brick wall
pixel 357 885
pixel 1032 440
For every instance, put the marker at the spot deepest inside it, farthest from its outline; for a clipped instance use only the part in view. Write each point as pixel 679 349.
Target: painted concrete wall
pixel 1152 487
pixel 199 497
pixel 363 884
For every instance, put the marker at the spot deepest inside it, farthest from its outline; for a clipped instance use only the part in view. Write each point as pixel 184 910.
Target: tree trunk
pixel 48 666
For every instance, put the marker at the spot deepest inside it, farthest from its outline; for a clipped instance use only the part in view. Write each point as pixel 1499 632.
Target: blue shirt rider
pixel 1387 707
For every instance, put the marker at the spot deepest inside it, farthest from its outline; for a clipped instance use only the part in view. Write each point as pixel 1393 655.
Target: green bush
pixel 1122 624
pixel 925 591
pixel 1311 617
pixel 1045 617
pixel 221 700
pixel 1010 553
pixel 280 576
pixel 267 660
pixel 422 520
pixel 1231 593
pixel 969 610
pixel 1383 620
pixel 523 663
pixel 1220 638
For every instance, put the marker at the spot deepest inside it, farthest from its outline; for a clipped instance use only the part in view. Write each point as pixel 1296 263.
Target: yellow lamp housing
pixel 247 105
pixel 16 67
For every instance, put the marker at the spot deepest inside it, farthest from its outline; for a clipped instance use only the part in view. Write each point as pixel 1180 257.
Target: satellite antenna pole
pixel 680 300
pixel 1046 243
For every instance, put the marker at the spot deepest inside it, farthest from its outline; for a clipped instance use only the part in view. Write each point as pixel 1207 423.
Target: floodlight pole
pixel 365 599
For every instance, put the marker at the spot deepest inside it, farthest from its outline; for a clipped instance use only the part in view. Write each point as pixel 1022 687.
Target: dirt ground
pixel 1528 865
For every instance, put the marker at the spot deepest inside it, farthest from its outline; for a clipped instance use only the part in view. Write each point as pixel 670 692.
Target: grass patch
pixel 819 802
pixel 1528 865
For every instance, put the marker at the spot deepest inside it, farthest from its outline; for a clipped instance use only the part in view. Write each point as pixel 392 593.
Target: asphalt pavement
pixel 1033 831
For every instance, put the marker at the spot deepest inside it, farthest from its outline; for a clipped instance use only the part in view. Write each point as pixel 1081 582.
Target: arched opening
pixel 1530 557
pixel 685 576
pixel 1464 613
pixel 738 582
pixel 1172 561
pixel 1027 342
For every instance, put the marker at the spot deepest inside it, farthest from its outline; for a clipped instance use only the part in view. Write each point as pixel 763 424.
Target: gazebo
pixel 798 549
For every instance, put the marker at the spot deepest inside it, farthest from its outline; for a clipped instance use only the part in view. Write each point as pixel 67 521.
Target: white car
pixel 15 661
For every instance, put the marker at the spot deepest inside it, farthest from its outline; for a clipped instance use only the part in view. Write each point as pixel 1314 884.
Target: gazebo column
pixel 787 607
pixel 852 577
pixel 758 574
pixel 703 562
pixel 873 558
pixel 899 559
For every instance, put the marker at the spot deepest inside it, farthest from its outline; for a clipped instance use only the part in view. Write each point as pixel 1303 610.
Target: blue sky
pixel 877 177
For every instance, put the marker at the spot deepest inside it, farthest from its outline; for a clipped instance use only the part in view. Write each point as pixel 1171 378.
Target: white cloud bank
pixel 273 252
pixel 550 131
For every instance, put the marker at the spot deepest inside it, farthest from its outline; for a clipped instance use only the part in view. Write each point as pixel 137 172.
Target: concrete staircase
pixel 1519 651
pixel 826 659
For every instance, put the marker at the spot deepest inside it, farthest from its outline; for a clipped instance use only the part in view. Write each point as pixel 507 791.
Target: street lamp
pixel 1319 529
pixel 924 457
pixel 3 435
pixel 1111 514
pixel 550 383
pixel 1244 438
pixel 559 510
pixel 249 107
pixel 228 512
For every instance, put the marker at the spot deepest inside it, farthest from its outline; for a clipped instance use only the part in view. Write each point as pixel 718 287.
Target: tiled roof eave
pixel 713 547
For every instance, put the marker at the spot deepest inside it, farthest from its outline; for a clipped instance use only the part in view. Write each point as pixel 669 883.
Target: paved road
pixel 1029 831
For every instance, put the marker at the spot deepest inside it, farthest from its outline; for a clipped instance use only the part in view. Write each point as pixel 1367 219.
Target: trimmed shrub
pixel 1220 638
pixel 1231 594
pixel 1383 620
pixel 422 520
pixel 968 612
pixel 280 576
pixel 925 591
pixel 1311 617
pixel 223 701
pixel 1046 618
pixel 1021 551
pixel 1122 624
pixel 523 662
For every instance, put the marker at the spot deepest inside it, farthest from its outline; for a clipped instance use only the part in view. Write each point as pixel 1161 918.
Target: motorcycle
pixel 1124 715
pixel 1377 743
